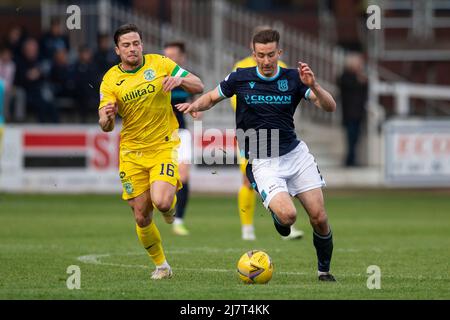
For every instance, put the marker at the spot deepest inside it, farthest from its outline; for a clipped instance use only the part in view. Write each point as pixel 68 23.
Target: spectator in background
pixel 60 74
pixel 14 41
pixel 30 77
pixel 177 52
pixel 7 71
pixel 86 81
pixel 353 89
pixel 52 41
pixel 104 57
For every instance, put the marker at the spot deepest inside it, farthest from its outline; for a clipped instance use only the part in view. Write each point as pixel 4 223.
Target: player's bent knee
pixel 163 204
pixel 141 209
pixel 320 218
pixel 287 216
pixel 291 218
pixel 142 221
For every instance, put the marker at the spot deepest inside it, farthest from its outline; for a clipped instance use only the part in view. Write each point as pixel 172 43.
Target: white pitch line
pixel 96 259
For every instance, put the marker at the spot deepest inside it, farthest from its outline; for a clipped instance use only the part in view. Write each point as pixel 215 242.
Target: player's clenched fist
pixel 111 110
pixel 169 83
pixel 107 116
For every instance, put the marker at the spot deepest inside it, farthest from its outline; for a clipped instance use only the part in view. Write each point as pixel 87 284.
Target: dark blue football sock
pixel 281 228
pixel 182 199
pixel 324 250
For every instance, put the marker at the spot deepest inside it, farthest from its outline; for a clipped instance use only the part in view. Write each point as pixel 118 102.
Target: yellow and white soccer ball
pixel 255 266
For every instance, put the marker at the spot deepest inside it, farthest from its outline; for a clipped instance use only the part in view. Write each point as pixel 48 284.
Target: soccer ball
pixel 255 266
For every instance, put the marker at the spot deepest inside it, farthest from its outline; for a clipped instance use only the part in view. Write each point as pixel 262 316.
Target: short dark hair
pixel 55 21
pixel 102 35
pixel 83 48
pixel 4 48
pixel 266 36
pixel 124 29
pixel 178 44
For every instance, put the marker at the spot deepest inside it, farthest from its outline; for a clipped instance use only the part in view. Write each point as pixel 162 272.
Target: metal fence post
pixel 104 18
pixel 217 35
pixel 372 99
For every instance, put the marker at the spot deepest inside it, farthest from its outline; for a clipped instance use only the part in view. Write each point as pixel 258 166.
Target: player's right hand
pixel 111 110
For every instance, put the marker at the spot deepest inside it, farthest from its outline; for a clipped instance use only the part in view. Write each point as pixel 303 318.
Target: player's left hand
pixel 169 83
pixel 197 115
pixel 187 108
pixel 306 74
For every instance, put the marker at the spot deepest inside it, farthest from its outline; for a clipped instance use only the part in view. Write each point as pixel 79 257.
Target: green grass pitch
pixel 405 233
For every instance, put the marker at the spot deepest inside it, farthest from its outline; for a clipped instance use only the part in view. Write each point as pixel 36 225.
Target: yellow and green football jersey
pixel 148 121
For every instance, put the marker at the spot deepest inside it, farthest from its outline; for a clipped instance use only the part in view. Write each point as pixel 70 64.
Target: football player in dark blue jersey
pixel 177 52
pixel 280 165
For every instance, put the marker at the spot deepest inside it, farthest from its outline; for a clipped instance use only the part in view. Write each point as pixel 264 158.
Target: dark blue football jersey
pixel 179 95
pixel 265 110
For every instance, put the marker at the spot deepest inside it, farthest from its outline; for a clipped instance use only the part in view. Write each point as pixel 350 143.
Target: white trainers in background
pixel 248 232
pixel 180 229
pixel 295 234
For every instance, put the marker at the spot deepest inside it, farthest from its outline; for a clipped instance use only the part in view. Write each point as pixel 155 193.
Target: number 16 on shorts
pixel 167 169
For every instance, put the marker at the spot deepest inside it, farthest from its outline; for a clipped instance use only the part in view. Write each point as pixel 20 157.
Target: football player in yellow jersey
pixel 138 90
pixel 246 194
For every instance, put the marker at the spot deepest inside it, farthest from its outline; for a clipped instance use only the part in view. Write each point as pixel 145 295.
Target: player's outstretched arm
pixel 107 116
pixel 319 96
pixel 191 83
pixel 203 103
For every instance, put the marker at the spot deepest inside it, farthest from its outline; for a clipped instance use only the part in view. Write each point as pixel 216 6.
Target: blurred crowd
pixel 47 81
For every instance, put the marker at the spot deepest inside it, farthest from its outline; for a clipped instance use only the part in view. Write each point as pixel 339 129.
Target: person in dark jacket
pixel 87 83
pixel 353 89
pixel 30 76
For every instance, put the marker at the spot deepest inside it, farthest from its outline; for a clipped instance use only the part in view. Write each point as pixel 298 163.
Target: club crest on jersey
pixel 283 85
pixel 149 74
pixel 128 187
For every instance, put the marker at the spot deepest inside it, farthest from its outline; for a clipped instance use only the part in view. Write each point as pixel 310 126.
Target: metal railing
pixel 421 21
pixel 105 17
pixel 217 34
pixel 228 28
